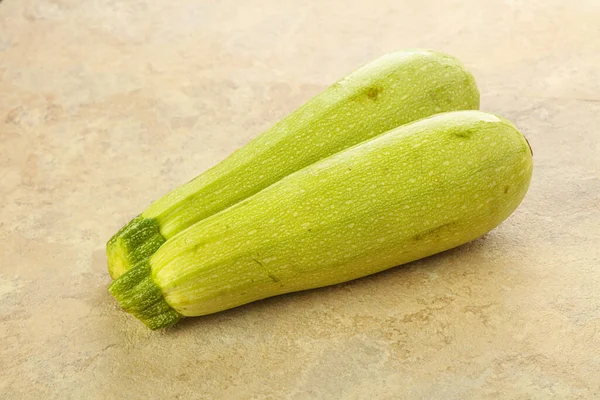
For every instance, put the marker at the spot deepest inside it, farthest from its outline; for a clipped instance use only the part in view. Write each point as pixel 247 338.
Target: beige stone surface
pixel 107 105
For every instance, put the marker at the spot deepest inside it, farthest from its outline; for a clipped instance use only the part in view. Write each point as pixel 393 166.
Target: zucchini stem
pixel 138 294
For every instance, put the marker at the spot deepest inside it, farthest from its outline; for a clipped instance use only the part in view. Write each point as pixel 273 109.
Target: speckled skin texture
pixel 105 106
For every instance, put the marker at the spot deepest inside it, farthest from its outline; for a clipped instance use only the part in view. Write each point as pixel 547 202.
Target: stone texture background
pixel 107 105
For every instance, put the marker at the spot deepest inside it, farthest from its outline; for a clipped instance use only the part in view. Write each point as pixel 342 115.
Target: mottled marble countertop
pixel 105 106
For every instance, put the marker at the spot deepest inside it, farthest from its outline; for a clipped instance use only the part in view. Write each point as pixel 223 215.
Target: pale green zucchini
pixel 412 192
pixel 393 90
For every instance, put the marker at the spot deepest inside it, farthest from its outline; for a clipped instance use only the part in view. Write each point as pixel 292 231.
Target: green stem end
pixel 138 294
pixel 134 243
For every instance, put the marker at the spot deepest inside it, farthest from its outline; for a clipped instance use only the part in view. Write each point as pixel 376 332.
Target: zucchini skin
pixel 393 90
pixel 415 191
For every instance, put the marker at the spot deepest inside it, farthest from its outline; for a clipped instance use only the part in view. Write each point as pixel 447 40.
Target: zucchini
pixel 395 89
pixel 417 190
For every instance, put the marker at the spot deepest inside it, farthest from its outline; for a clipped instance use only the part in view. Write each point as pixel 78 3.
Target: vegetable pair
pixel 380 169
